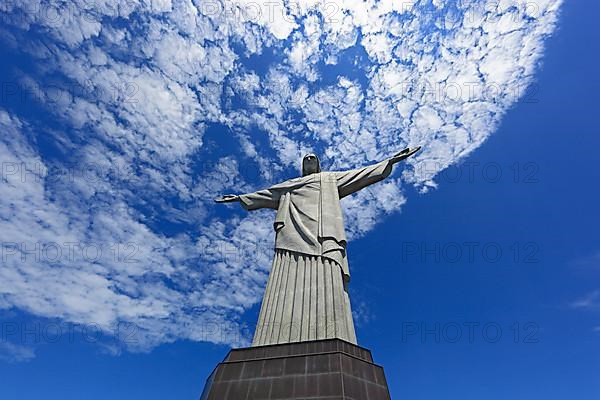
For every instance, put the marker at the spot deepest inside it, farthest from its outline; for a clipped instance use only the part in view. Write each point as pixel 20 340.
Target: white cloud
pixel 589 301
pixel 15 353
pixel 104 267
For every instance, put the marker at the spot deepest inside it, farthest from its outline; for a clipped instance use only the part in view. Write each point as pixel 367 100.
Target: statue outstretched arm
pixel 351 181
pixel 267 198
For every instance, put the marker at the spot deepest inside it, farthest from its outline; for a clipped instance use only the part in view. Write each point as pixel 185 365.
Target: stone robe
pixel 309 216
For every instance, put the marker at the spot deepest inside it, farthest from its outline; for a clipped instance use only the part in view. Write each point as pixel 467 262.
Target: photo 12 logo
pixel 48 332
pixel 469 252
pixel 54 252
pixel 469 332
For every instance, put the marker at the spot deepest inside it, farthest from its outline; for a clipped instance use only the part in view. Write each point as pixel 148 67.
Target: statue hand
pixel 228 198
pixel 404 154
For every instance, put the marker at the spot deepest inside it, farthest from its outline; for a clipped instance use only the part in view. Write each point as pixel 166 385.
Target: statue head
pixel 310 164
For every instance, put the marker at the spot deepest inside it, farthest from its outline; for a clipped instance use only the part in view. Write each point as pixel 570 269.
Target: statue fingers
pixel 400 153
pixel 406 153
pixel 227 198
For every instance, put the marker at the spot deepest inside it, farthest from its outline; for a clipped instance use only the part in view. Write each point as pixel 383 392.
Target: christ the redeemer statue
pixel 306 296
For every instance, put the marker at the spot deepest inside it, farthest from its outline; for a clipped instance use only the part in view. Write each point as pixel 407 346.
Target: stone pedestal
pixel 323 369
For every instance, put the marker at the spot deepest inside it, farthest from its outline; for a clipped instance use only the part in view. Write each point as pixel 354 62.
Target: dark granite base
pixel 323 369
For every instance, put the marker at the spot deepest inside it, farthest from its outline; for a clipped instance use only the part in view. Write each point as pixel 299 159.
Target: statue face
pixel 310 164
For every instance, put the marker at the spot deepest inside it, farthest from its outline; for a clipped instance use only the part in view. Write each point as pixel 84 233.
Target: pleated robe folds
pixel 310 263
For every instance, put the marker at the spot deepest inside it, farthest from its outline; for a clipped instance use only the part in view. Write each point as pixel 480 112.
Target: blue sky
pixel 492 230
